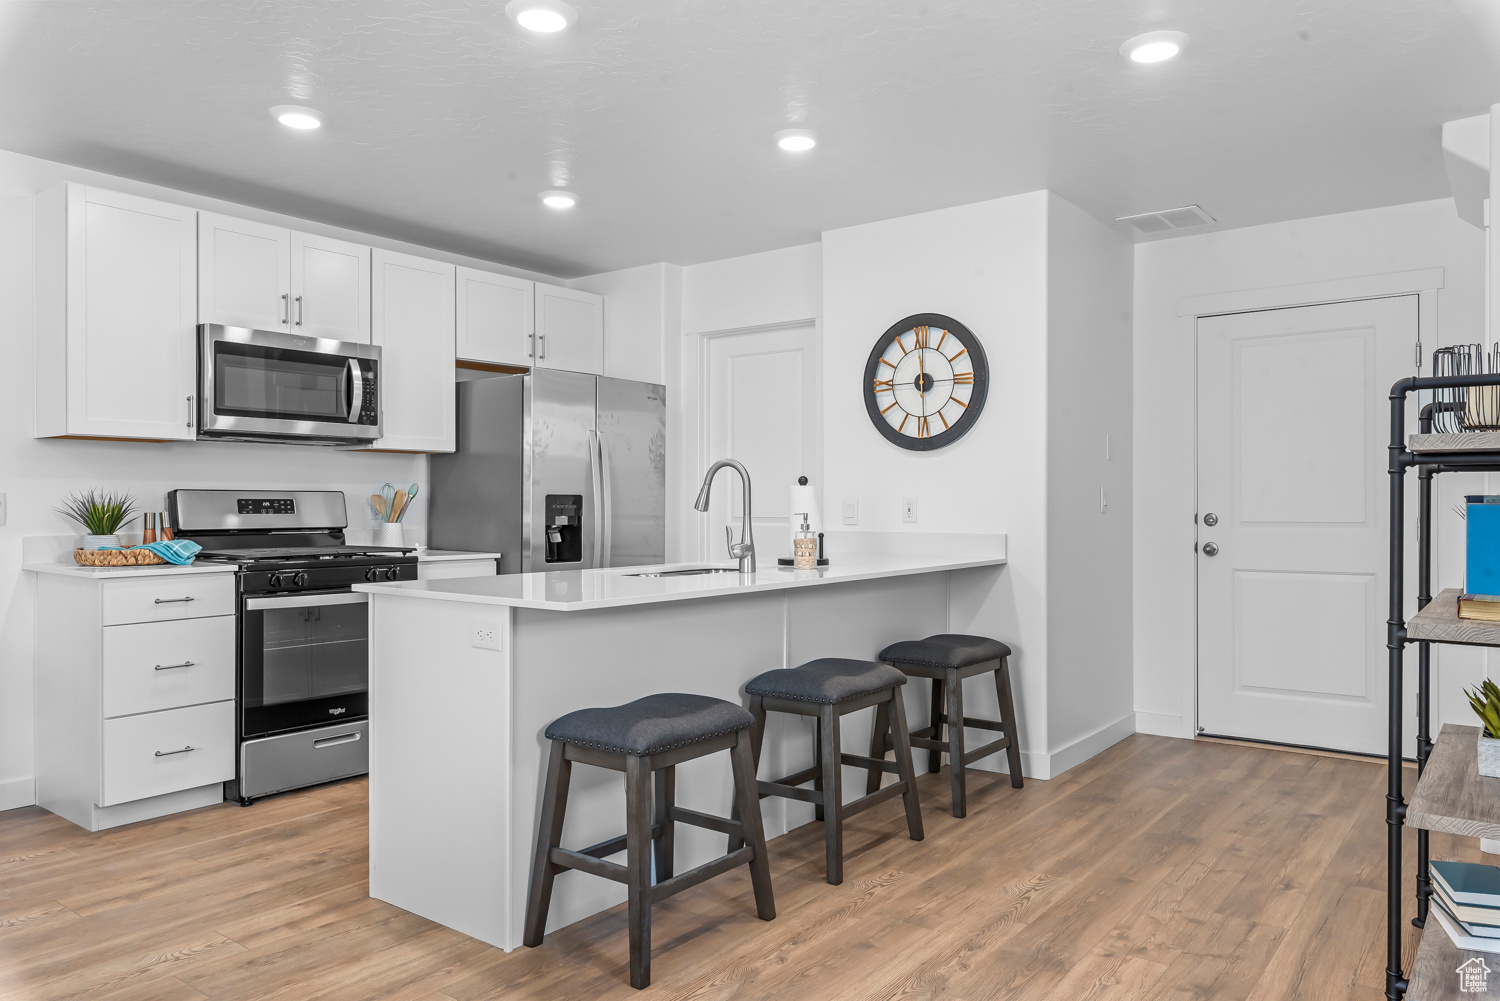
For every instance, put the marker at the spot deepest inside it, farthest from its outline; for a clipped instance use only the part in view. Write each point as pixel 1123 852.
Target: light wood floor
pixel 1161 869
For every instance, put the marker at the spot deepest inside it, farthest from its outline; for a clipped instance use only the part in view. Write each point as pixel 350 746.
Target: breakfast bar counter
pixel 466 674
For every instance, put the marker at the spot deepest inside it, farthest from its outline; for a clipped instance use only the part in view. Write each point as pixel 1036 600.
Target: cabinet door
pixel 132 296
pixel 413 323
pixel 496 317
pixel 569 329
pixel 330 288
pixel 243 273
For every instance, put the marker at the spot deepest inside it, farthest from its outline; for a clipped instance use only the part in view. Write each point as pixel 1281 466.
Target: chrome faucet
pixel 744 550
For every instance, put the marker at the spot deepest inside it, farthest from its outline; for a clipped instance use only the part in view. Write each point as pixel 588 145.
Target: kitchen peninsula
pixel 465 674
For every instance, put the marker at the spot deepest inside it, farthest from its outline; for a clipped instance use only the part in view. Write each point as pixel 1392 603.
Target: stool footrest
pixel 862 761
pixel 568 859
pixel 983 752
pixel 874 799
pixel 685 816
pixel 708 870
pixel 783 788
pixel 614 846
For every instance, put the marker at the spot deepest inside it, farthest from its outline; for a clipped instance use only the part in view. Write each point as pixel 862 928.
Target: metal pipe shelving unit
pixel 1468 452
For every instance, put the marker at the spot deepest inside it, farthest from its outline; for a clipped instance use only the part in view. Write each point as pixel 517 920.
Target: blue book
pixel 1468 882
pixel 1482 544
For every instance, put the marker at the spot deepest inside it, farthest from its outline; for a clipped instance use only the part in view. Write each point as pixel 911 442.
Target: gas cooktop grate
pixel 301 553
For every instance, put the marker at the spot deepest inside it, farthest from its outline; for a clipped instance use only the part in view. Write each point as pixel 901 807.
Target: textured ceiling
pixel 445 119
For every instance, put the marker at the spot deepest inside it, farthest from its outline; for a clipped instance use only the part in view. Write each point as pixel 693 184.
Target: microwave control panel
pixel 369 407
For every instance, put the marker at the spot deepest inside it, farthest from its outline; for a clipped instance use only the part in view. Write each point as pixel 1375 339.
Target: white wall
pixel 1090 683
pixel 1350 245
pixel 35 474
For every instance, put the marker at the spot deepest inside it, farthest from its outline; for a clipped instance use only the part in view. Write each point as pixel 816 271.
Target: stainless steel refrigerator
pixel 557 471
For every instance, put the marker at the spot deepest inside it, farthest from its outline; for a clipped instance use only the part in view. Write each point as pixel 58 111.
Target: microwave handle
pixel 356 389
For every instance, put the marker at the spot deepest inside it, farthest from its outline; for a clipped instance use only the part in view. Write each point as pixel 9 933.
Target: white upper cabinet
pixel 116 308
pixel 496 318
pixel 273 278
pixel 412 321
pixel 330 288
pixel 244 273
pixel 569 329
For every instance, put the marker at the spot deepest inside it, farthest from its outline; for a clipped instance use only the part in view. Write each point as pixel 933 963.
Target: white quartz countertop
pixel 156 570
pixel 452 556
pixel 579 590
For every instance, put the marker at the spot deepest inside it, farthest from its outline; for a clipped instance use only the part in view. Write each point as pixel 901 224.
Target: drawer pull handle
pixel 180 750
pixel 168 667
pixel 169 601
pixel 343 738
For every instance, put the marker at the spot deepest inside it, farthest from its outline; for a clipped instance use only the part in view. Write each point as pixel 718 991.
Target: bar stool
pixel 948 659
pixel 647 739
pixel 827 690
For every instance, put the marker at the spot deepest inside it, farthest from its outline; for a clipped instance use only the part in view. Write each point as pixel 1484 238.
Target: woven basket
pixel 116 558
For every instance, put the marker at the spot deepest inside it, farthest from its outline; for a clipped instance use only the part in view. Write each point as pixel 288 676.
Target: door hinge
pixel 1419 356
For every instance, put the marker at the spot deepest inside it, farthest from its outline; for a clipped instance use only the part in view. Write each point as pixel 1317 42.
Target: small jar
pixel 805 548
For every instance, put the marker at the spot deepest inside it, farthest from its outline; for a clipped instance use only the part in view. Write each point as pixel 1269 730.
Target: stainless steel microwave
pixel 263 385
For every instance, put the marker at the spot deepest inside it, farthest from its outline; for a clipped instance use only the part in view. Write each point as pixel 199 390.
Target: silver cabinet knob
pixel 1210 549
pixel 1210 519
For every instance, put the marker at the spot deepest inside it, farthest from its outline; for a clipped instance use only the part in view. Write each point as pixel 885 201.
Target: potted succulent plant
pixel 1486 702
pixel 101 513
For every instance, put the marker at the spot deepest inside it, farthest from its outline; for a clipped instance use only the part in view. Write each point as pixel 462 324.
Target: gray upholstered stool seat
pixel 829 680
pixel 651 725
pixel 947 659
pixel 647 739
pixel 827 690
pixel 945 650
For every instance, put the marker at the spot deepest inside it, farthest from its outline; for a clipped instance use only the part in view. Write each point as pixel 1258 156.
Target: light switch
pixel 909 510
pixel 851 510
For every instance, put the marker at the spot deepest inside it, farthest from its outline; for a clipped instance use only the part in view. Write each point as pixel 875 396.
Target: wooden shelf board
pixel 1463 441
pixel 1434 972
pixel 1451 795
pixel 1439 623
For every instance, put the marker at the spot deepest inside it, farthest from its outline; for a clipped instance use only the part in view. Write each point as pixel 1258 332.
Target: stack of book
pixel 1480 607
pixel 1481 601
pixel 1466 902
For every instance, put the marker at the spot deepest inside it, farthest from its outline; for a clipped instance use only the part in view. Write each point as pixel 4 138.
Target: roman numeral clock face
pixel 925 382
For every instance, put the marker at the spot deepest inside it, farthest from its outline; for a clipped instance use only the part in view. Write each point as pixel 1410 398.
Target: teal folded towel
pixel 179 551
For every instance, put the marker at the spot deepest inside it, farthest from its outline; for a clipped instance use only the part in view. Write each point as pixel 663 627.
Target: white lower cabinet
pixel 448 569
pixel 135 694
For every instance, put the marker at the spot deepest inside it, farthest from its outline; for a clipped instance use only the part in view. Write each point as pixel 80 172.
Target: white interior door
pixel 1292 504
pixel 761 407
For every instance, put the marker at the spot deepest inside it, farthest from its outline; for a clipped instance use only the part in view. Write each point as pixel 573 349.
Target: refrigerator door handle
pixel 607 509
pixel 596 481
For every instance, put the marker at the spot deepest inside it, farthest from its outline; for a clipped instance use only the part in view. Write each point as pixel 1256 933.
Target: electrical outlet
pixel 484 634
pixel 909 510
pixel 851 510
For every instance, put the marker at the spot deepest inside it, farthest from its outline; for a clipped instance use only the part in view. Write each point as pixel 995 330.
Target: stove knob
pixel 299 578
pixel 274 580
pixel 386 572
pixel 370 574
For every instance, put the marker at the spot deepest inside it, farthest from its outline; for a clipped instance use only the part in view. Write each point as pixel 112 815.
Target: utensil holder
pixel 390 534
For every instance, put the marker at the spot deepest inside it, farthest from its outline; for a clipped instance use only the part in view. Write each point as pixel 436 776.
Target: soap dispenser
pixel 805 546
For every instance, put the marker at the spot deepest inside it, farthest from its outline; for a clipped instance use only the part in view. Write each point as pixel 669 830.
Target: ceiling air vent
pixel 1168 220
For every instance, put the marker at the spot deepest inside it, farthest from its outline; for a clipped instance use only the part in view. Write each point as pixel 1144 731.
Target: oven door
pixel 259 384
pixel 304 661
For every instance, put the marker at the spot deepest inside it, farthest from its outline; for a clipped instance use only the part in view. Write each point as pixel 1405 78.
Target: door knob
pixel 1210 549
pixel 1210 519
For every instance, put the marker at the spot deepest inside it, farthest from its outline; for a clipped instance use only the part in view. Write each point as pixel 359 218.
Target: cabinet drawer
pixel 150 666
pixel 458 568
pixel 144 755
pixel 152 599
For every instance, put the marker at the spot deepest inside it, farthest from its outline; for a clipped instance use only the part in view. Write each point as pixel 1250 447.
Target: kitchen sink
pixel 685 572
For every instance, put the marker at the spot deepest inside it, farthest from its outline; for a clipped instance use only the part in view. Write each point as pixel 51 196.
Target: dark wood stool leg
pixel 879 741
pixel 833 813
pixel 1008 720
pixel 548 837
pixel 956 742
pixel 638 863
pixel 818 812
pixel 901 740
pixel 757 738
pixel 742 760
pixel 934 756
pixel 665 798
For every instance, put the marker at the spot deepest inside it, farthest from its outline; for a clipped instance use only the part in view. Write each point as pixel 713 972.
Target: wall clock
pixel 925 382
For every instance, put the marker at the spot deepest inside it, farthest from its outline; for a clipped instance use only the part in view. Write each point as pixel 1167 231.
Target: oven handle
pixel 307 600
pixel 356 389
pixel 343 738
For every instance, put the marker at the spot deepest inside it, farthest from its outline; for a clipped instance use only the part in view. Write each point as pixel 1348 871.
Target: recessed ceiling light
pixel 295 116
pixel 558 199
pixel 796 140
pixel 1154 46
pixel 544 16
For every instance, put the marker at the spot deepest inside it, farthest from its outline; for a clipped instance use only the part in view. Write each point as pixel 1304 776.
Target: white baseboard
pixel 1085 748
pixel 16 793
pixel 1163 724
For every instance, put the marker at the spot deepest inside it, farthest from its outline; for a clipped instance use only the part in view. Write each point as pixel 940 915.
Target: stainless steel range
pixel 303 664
